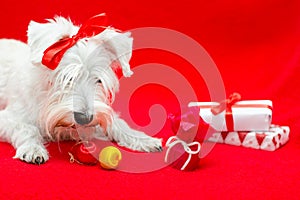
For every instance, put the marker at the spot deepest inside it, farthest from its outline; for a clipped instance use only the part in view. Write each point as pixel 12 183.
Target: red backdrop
pixel 256 47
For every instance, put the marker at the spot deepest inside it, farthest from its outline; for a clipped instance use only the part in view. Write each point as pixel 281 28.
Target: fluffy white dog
pixel 72 99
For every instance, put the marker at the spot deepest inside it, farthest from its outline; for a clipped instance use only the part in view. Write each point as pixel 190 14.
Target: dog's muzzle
pixel 83 118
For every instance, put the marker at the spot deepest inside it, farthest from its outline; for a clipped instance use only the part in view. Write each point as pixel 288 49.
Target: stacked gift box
pixel 232 121
pixel 243 123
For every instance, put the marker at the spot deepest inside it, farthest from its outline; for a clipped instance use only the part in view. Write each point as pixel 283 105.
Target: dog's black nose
pixel 82 118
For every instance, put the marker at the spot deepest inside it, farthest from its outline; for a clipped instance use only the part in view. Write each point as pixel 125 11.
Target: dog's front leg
pixel 130 138
pixel 25 138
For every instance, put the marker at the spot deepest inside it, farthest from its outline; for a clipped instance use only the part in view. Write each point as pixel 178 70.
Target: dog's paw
pixel 153 145
pixel 32 153
pixel 148 144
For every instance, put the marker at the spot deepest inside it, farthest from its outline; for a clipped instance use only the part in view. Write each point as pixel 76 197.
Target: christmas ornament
pixel 84 153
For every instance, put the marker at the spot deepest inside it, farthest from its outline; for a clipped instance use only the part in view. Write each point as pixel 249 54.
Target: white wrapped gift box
pixel 253 115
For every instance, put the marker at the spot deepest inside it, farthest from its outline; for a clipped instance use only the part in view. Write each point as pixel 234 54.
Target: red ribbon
pixel 54 53
pixel 227 105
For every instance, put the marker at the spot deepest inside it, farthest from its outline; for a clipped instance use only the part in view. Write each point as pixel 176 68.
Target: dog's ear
pixel 42 35
pixel 120 45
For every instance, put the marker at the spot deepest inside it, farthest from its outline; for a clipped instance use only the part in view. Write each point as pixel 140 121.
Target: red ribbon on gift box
pixel 227 104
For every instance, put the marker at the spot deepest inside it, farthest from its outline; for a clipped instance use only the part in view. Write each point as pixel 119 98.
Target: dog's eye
pixel 99 81
pixel 69 78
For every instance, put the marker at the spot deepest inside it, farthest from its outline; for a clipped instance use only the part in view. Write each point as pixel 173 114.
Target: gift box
pixel 182 155
pixel 188 125
pixel 269 140
pixel 233 114
pixel 184 146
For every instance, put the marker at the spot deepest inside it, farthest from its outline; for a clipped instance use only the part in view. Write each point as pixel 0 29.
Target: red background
pixel 256 46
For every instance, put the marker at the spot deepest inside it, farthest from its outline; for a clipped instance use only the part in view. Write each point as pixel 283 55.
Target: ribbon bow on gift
pixel 54 53
pixel 173 140
pixel 227 106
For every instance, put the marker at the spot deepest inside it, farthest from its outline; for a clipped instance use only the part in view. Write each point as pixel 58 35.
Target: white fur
pixel 38 104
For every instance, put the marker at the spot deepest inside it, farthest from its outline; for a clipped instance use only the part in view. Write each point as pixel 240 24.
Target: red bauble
pixel 84 152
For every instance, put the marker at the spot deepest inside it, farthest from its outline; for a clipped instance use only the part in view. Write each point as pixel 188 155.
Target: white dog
pixel 72 100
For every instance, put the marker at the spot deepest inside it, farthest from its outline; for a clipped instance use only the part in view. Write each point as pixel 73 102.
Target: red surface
pixel 256 46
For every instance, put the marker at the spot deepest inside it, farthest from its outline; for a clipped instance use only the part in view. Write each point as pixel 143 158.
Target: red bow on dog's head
pixel 54 53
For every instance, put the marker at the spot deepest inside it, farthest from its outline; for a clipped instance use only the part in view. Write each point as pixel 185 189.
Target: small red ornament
pixel 84 152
